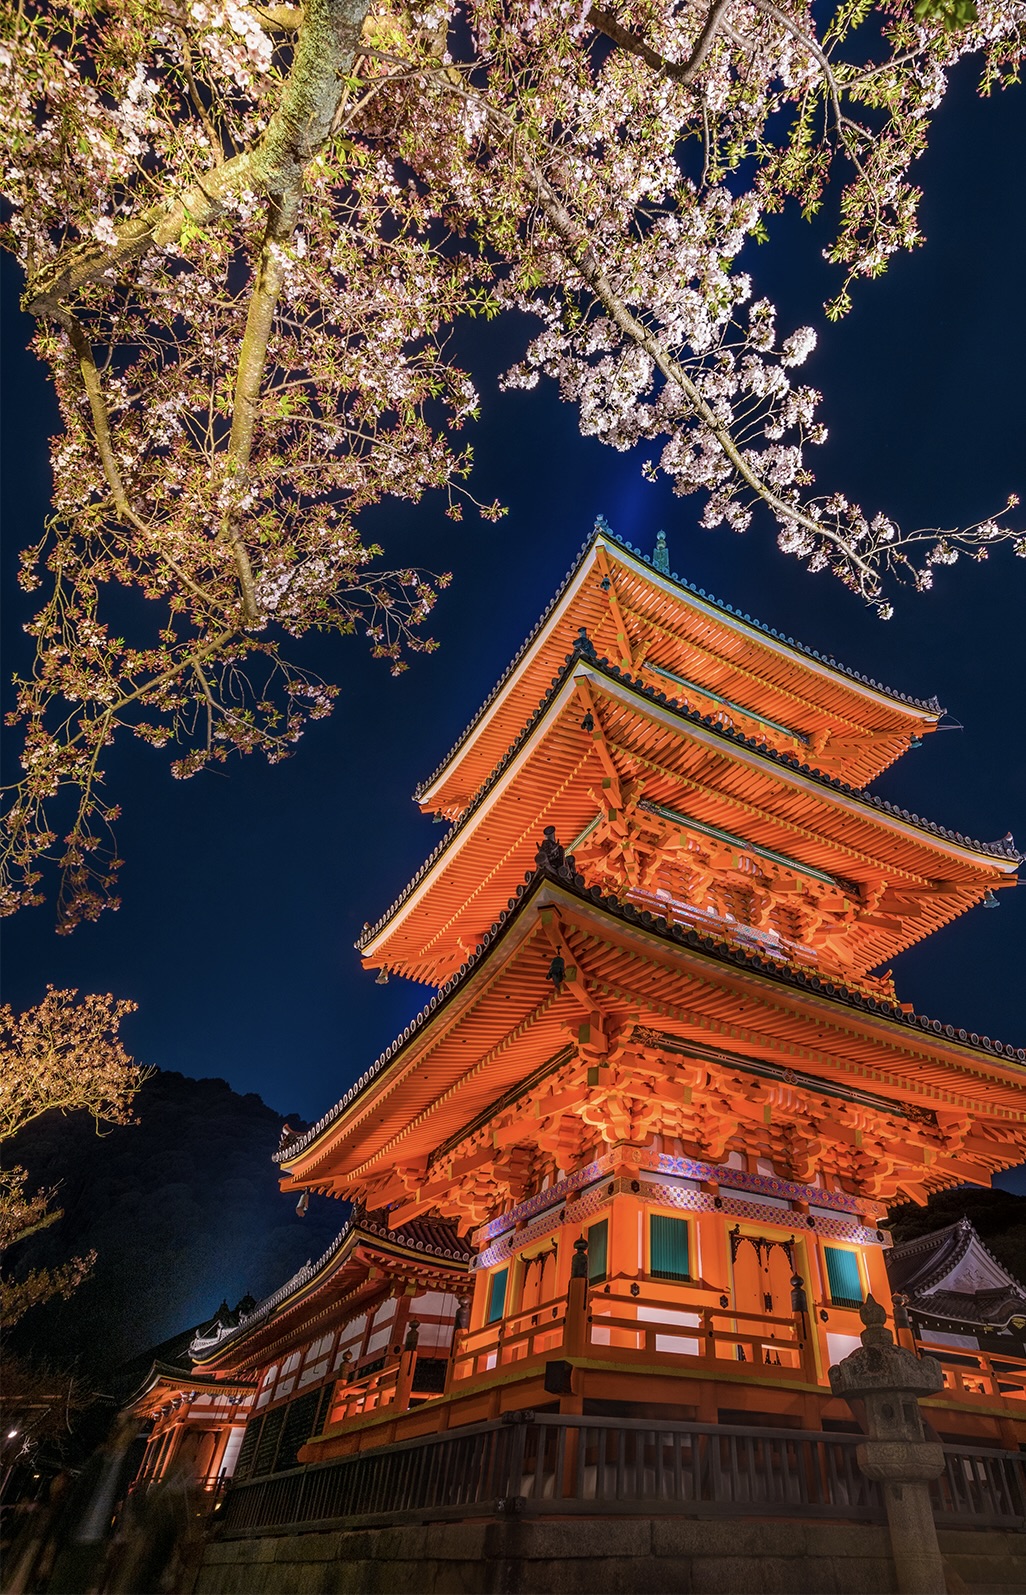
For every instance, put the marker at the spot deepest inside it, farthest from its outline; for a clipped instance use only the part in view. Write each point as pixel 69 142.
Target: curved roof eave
pixel 898 817
pixel 767 636
pixel 828 989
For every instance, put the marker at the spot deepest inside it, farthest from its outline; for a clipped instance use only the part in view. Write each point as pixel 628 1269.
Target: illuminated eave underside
pixel 927 1062
pixel 728 654
pixel 548 777
pixel 167 1381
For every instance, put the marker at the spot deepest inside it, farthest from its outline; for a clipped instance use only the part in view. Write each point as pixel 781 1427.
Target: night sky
pixel 244 889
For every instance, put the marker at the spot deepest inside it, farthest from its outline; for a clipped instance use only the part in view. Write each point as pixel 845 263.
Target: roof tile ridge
pixel 370 931
pixel 964 1232
pixel 931 704
pixel 831 986
pixel 728 952
pixel 441 996
pixel 981 1243
pixel 423 786
pixel 928 1239
pixel 1005 848
pixel 264 1308
pixel 399 1235
pixel 558 680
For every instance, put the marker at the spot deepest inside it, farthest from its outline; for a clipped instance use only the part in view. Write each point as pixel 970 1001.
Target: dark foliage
pixel 999 1218
pixel 183 1209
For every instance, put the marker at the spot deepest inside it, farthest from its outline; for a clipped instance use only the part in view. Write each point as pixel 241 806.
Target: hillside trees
pixel 61 1057
pixel 247 233
pixel 182 1208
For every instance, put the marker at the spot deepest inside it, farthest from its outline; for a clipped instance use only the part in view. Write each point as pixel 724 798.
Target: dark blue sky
pixel 244 890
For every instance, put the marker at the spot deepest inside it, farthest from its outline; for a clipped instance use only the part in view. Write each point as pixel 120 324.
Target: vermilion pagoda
pixel 663 1094
pixel 666 1037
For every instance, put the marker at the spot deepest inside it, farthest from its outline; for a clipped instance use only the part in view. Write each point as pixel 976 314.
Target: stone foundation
pixel 603 1556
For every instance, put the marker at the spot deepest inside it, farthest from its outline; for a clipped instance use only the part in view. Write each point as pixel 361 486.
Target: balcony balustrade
pixel 373 1392
pixel 635 1327
pixel 651 1326
pixel 979 1373
pixel 536 1463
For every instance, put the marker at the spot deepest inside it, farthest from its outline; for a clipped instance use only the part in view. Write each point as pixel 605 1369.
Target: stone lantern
pixel 884 1383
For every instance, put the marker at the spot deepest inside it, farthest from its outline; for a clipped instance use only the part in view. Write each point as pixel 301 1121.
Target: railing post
pixel 889 1381
pixel 459 1335
pixel 575 1344
pixel 575 1325
pixel 407 1364
pixel 514 1468
pixel 800 1313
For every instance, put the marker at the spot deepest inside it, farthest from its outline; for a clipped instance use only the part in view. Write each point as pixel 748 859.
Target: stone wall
pixel 603 1556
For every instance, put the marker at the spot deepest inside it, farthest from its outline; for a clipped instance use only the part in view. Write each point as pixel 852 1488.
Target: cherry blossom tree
pixel 61 1056
pixel 248 232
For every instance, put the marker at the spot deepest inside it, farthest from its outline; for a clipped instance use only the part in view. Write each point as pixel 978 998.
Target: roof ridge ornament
pixel 661 554
pixel 550 854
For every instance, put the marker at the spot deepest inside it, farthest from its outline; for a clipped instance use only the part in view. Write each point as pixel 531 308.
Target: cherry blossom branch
pixel 296 132
pixel 585 263
pixel 679 71
pixel 278 19
pixel 89 372
pixel 823 60
pixel 268 279
pixel 83 351
pixel 161 224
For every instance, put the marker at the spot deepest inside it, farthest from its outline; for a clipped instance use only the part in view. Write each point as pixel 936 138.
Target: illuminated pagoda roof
pixel 498 1027
pixel 888 877
pixel 680 638
pixel 950 1275
pixel 426 1251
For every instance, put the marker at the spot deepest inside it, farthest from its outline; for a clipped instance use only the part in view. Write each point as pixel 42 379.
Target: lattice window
pixel 669 1253
pixel 497 1295
pixel 844 1277
pixel 598 1251
pixel 267 1445
pixel 247 1451
pixel 300 1417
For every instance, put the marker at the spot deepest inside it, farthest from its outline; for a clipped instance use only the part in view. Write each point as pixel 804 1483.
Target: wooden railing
pixel 979 1373
pixel 648 1324
pixel 369 1394
pixel 535 1332
pixel 641 1328
pixel 648 1328
pixel 537 1463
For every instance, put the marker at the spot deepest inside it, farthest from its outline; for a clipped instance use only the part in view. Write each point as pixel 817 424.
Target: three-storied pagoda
pixel 663 1089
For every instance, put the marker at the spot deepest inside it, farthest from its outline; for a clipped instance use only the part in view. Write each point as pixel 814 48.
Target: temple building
pixel 631 1163
pixel 366 1326
pixel 956 1293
